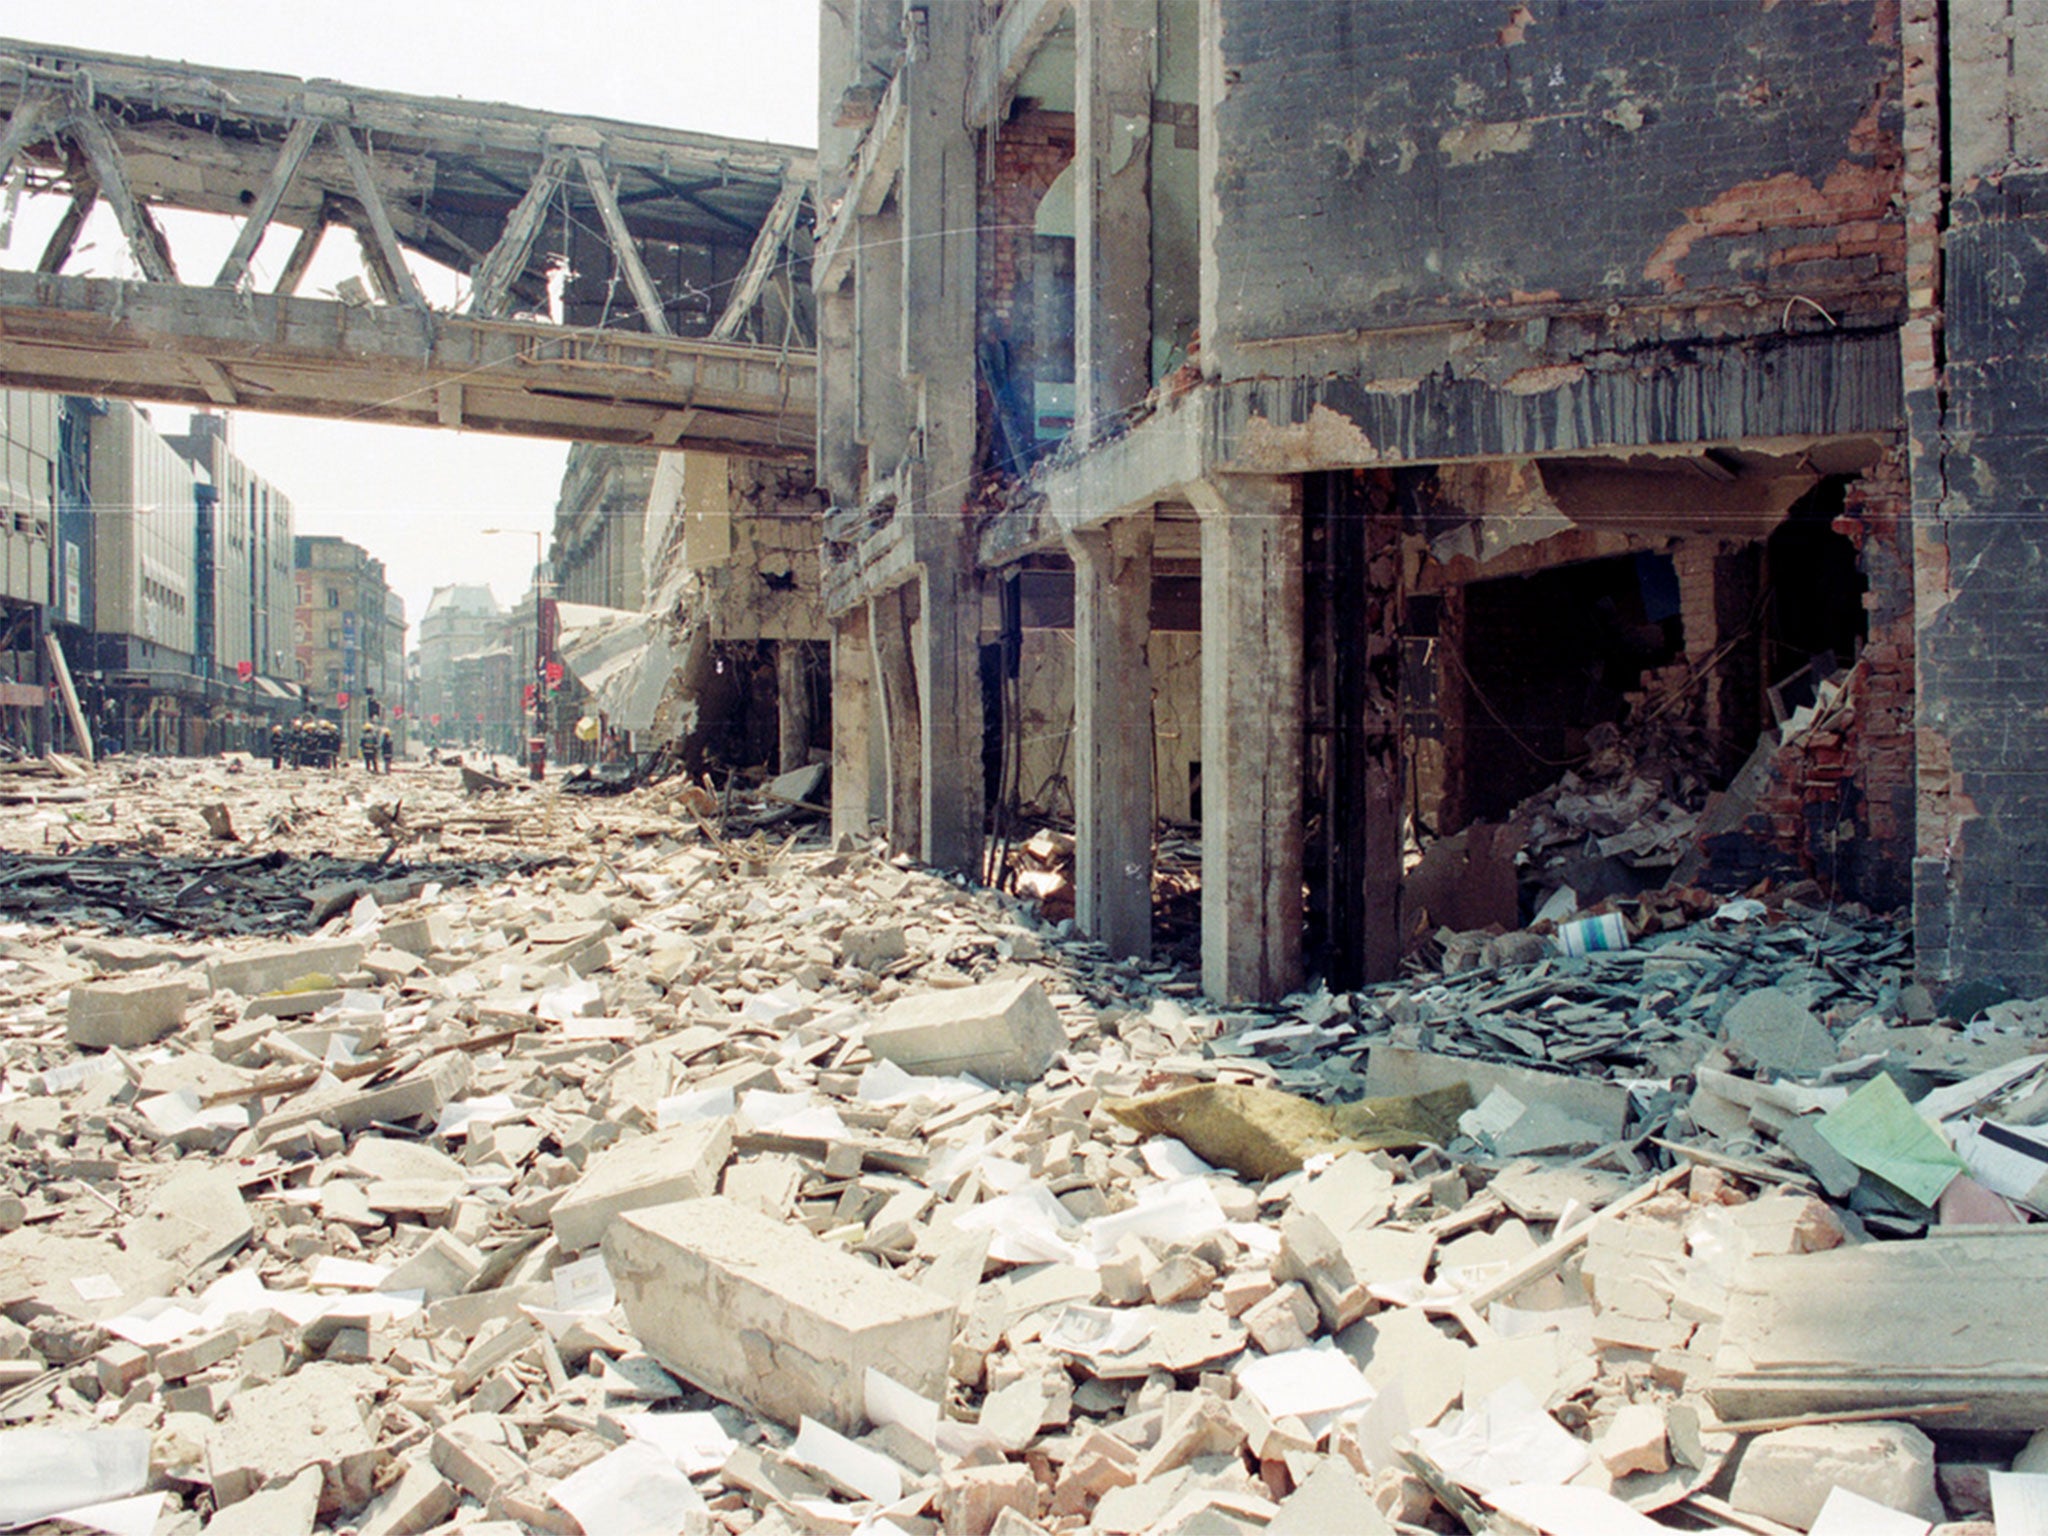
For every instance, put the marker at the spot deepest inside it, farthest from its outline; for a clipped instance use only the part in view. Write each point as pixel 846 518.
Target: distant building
pixel 243 592
pixel 461 623
pixel 29 452
pixel 341 630
pixel 600 519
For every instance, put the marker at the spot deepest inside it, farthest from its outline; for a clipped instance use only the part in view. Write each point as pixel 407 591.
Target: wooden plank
pixel 70 695
pixel 301 258
pixel 85 193
pixel 761 260
pixel 622 244
pixel 151 251
pixel 296 143
pixel 494 276
pixel 398 277
pixel 1952 1319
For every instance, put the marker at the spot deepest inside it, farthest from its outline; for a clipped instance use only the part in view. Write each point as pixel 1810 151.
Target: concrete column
pixel 1116 45
pixel 853 726
pixel 889 618
pixel 949 706
pixel 792 706
pixel 1251 737
pixel 840 460
pixel 1113 792
pixel 881 407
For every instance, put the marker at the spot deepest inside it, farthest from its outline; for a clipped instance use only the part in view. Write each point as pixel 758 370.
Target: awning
pixel 625 660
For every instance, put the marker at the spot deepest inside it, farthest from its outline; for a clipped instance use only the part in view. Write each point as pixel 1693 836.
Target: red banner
pixel 245 670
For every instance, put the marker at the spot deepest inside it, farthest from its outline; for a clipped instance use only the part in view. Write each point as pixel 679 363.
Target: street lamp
pixel 537 743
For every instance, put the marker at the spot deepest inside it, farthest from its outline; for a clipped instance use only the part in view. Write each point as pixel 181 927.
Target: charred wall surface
pixel 1453 156
pixel 1982 880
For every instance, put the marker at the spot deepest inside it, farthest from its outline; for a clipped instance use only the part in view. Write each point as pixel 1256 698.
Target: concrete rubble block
pixel 972 1499
pixel 682 1163
pixel 289 1509
pixel 1001 1032
pixel 1951 1318
pixel 1774 1030
pixel 418 1501
pixel 1634 1442
pixel 312 1418
pixel 278 966
pixel 193 1218
pixel 441 1267
pixel 1786 1475
pixel 768 1316
pixel 418 935
pixel 418 1095
pixel 477 1454
pixel 870 946
pixel 136 1012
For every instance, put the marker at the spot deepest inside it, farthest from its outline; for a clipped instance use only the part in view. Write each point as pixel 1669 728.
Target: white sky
pixel 416 498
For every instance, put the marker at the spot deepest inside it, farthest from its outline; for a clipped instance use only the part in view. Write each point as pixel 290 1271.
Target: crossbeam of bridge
pixel 677 264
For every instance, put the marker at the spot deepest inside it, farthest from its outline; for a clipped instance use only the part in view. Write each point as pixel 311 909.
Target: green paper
pixel 1882 1134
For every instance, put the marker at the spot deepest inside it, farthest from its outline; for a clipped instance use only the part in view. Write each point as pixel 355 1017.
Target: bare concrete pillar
pixel 1113 791
pixel 853 726
pixel 792 706
pixel 1116 44
pixel 1251 737
pixel 949 707
pixel 889 619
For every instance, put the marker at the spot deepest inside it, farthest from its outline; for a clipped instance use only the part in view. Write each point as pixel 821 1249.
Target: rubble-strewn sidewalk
pixel 572 1169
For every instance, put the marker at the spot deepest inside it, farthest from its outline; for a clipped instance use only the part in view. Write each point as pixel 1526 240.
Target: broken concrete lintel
pixel 1948 1319
pixel 763 1314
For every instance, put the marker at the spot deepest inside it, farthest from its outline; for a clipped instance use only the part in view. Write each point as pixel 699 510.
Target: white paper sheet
pixel 1573 1512
pixel 2019 1503
pixel 44 1472
pixel 868 1473
pixel 1850 1514
pixel 696 1442
pixel 1298 1383
pixel 1506 1441
pixel 634 1491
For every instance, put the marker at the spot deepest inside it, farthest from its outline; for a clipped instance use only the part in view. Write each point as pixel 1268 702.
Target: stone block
pixel 441 1267
pixel 419 1501
pixel 765 1315
pixel 682 1163
pixel 870 946
pixel 418 1095
pixel 279 965
pixel 1786 1475
pixel 1003 1032
pixel 312 1418
pixel 289 1509
pixel 1775 1030
pixel 418 935
pixel 128 1014
pixel 971 1499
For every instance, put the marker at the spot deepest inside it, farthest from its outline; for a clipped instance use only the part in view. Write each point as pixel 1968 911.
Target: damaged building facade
pixel 1361 427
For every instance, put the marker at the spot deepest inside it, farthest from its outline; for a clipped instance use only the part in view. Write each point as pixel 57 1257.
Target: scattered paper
pixel 1299 1383
pixel 1850 1514
pixel 1506 1441
pixel 1882 1134
pixel 868 1473
pixel 634 1491
pixel 2019 1503
pixel 1578 1512
pixel 45 1472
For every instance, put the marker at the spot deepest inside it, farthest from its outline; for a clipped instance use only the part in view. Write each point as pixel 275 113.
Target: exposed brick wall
pixel 1551 153
pixel 1839 803
pixel 1028 154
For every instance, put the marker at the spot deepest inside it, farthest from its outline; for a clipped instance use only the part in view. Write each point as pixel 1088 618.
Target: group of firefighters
pixel 316 743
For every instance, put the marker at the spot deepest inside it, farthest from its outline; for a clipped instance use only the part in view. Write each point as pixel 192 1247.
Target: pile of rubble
pixel 689 1185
